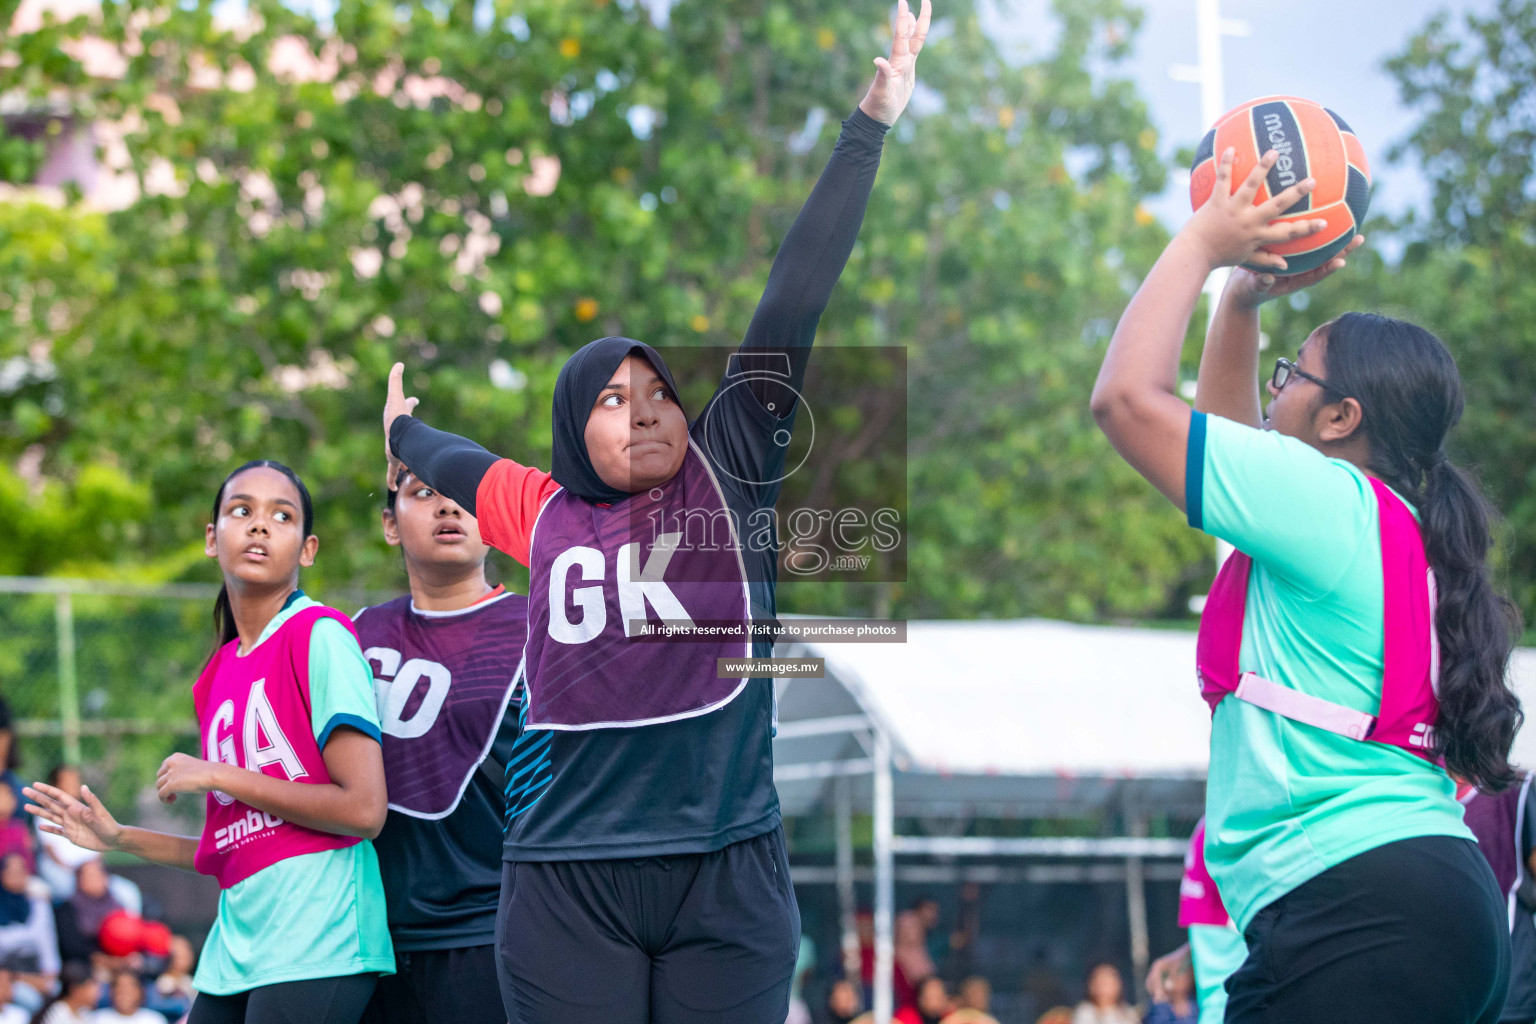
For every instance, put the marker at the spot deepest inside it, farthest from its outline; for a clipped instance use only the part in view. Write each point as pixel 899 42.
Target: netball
pixel 1312 141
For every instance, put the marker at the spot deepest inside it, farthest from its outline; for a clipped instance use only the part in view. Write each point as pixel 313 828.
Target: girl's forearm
pixel 160 847
pixel 324 807
pixel 1136 401
pixel 445 462
pixel 1143 358
pixel 1229 364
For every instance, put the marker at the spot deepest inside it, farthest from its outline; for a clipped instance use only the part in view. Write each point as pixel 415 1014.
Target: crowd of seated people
pixel 74 946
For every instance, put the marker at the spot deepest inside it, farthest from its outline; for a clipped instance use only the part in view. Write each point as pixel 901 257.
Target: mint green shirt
pixel 317 915
pixel 1285 801
pixel 1216 951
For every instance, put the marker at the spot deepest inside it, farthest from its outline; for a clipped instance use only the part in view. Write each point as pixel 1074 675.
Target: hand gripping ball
pixel 1312 142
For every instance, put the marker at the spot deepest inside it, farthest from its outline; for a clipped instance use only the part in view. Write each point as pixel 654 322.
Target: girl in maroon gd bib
pixel 292 775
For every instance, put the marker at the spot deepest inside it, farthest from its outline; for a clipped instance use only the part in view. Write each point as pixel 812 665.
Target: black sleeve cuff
pixel 861 126
pixel 397 431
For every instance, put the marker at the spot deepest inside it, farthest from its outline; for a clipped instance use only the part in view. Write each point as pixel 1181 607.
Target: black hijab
pixel 581 380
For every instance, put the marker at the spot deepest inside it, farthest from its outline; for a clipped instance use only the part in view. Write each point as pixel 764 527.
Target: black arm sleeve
pixel 811 259
pixel 447 463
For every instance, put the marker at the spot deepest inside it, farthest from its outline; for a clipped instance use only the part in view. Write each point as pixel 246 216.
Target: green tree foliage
pixel 1467 269
pixel 297 232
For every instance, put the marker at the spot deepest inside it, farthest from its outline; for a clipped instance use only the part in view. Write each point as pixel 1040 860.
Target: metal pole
pixel 847 905
pixel 885 877
pixel 1212 105
pixel 1208 53
pixel 1136 908
pixel 69 698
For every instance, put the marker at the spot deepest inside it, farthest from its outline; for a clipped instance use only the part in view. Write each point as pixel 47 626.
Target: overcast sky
pixel 1331 51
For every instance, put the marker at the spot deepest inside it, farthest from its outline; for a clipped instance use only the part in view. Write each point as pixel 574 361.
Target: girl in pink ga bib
pixel 292 774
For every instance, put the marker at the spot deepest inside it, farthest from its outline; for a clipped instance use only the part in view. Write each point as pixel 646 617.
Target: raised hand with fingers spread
pixel 1233 230
pixel 896 76
pixel 85 822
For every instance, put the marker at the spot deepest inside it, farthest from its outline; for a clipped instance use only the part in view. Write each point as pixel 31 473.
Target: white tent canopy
pixel 983 706
pixel 1027 718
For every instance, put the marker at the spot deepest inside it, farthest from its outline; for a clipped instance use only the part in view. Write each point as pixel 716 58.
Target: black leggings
pixel 311 1001
pixel 1413 932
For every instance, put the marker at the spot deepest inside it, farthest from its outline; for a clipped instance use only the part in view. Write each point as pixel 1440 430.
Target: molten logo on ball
pixel 1310 141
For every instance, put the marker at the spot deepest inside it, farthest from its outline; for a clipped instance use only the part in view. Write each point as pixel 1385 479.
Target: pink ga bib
pixel 254 712
pixel 1411 671
pixel 1199 900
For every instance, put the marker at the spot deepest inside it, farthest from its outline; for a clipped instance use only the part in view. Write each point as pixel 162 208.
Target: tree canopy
pixel 478 189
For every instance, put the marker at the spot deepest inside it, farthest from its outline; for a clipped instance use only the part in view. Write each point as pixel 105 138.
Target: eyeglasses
pixel 1285 370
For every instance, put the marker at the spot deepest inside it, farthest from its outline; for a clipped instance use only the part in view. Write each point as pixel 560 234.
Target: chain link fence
pixel 99 674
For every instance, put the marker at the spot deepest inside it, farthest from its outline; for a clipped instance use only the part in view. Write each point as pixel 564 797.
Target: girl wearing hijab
pixel 645 877
pixel 1352 649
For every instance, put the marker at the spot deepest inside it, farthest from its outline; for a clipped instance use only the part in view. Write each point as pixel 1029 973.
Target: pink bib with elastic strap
pixel 254 712
pixel 1411 671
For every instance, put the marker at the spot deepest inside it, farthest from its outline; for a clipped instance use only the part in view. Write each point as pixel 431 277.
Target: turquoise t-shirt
pixel 317 915
pixel 1216 951
pixel 1285 801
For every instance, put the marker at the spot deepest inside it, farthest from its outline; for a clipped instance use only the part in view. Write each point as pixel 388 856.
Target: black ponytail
pixel 223 616
pixel 1408 386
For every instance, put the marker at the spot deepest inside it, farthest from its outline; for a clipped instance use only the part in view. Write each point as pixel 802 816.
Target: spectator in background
pixel 78 994
pixel 911 940
pixel 1106 999
pixel 173 992
pixel 1176 1003
pixel 1056 1015
pixel 973 1002
pixel 930 1005
pixel 79 918
pixel 843 1003
pixel 10 755
pixel 15 836
pixel 127 1005
pixel 29 945
pixel 901 982
pixel 975 993
pixel 936 939
pixel 60 857
pixel 10 1013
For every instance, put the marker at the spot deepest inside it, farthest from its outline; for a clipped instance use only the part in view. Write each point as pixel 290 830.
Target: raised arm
pixel 1229 364
pixel 816 248
pixel 503 495
pixel 447 463
pixel 1136 400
